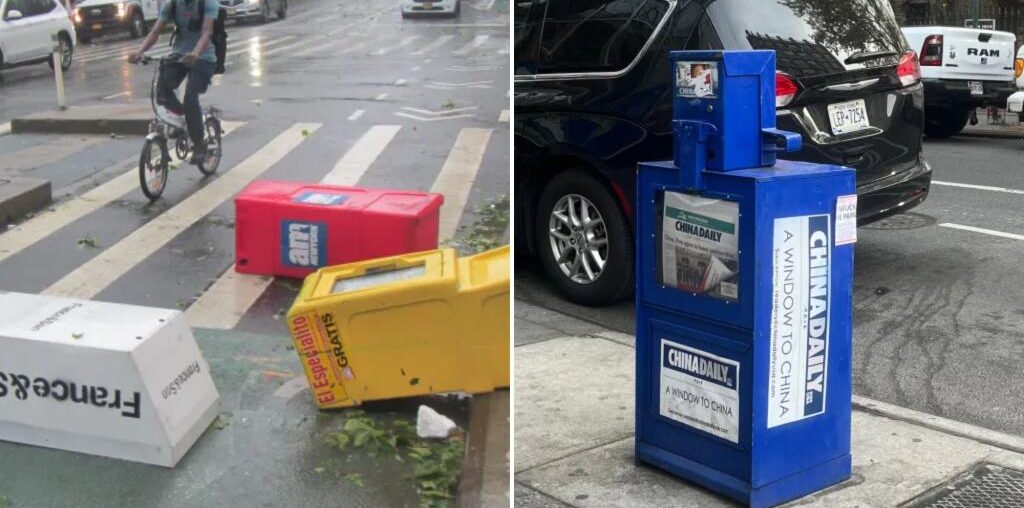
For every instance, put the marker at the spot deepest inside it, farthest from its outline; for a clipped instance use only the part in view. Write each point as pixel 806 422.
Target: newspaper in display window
pixel 697 79
pixel 700 245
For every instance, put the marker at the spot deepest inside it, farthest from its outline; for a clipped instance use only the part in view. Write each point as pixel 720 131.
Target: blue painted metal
pixel 725 149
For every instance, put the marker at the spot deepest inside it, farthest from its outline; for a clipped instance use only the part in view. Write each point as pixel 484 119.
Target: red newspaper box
pixel 291 229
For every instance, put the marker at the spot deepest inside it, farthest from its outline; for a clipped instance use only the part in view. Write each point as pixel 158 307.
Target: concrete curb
pixel 940 424
pixel 992 134
pixel 20 196
pixel 122 126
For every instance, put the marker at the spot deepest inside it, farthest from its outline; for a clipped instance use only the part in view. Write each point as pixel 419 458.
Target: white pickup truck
pixel 1016 101
pixel 962 69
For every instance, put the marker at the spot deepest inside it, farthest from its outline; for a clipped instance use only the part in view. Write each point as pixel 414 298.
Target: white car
pixel 26 31
pixel 430 7
pixel 1015 103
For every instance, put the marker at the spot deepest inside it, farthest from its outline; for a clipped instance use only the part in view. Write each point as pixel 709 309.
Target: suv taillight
pixel 907 70
pixel 931 51
pixel 785 89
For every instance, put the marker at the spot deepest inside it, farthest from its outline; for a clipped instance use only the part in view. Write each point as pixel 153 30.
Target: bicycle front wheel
pixel 213 146
pixel 153 165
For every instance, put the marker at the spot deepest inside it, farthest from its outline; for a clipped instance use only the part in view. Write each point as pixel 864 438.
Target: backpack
pixel 219 39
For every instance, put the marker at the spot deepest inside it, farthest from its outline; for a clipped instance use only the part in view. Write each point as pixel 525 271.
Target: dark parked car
pixel 593 96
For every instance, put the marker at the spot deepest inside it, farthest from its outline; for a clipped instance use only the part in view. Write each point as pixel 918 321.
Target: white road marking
pixel 414 69
pixel 126 92
pixel 473 44
pixel 430 119
pixel 978 187
pixel 224 304
pixel 314 49
pixel 401 44
pixel 357 160
pixel 503 117
pixel 400 81
pixel 46 223
pixel 381 97
pixel 457 177
pixel 437 43
pixel 353 48
pixel 97 274
pixel 356 114
pixel 5 128
pixel 504 50
pixel 991 232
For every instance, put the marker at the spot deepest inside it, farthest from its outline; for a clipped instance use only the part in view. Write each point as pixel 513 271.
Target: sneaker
pixel 198 156
pixel 172 118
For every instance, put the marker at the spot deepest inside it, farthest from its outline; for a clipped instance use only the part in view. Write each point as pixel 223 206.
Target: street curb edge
pixel 940 424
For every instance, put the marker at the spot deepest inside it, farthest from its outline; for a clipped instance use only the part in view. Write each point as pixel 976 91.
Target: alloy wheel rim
pixel 578 238
pixel 65 53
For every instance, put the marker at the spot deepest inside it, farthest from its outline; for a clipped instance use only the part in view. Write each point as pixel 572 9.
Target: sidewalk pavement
pixel 1009 126
pixel 128 119
pixel 574 435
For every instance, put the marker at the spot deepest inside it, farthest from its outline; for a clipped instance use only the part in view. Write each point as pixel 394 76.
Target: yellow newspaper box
pixel 404 326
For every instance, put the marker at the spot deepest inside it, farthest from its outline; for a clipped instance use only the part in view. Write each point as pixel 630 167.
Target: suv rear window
pixel 810 37
pixel 597 36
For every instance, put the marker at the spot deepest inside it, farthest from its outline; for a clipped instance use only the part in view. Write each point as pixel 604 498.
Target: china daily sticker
pixel 700 390
pixel 801 294
pixel 700 245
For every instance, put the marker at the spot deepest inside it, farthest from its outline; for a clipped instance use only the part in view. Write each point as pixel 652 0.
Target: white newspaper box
pixel 107 379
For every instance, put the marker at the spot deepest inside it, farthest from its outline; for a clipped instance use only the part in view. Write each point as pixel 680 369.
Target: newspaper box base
pixel 114 380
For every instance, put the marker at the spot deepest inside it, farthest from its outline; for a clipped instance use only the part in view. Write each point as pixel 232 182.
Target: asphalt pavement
pixel 343 91
pixel 939 324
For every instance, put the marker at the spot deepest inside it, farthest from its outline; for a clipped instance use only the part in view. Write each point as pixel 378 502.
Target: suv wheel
pixel 64 41
pixel 138 27
pixel 943 122
pixel 282 9
pixel 583 240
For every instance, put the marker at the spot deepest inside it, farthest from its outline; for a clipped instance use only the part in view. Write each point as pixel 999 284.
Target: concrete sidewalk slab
pixel 126 119
pixel 572 394
pixel 20 196
pixel 574 449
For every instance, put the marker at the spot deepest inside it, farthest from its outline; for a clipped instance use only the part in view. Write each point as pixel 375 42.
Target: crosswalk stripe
pixel 473 44
pixel 46 223
pixel 5 128
pixel 224 304
pixel 353 48
pixel 992 232
pixel 401 44
pixel 314 49
pixel 105 50
pixel 457 177
pixel 437 43
pixel 286 47
pixel 53 150
pixel 94 276
pixel 503 117
pixel 356 114
pixel 255 46
pixel 354 163
pixel 504 49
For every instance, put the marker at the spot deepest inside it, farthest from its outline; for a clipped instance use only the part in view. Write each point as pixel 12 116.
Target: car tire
pixel 137 28
pixel 944 122
pixel 572 190
pixel 84 39
pixel 264 16
pixel 282 9
pixel 66 51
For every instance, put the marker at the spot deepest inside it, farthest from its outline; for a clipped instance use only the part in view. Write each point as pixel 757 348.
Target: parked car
pixel 593 96
pixel 430 8
pixel 255 10
pixel 962 69
pixel 94 18
pixel 27 30
pixel 1015 103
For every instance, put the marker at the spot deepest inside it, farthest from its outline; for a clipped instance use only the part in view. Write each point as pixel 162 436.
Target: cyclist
pixel 194 58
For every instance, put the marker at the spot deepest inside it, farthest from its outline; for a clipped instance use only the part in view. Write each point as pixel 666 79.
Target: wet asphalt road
pixel 939 311
pixel 342 88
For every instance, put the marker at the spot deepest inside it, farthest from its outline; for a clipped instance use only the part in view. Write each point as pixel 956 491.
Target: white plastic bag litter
pixel 431 424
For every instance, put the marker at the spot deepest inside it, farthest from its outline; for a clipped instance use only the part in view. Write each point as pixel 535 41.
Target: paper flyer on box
pixel 700 245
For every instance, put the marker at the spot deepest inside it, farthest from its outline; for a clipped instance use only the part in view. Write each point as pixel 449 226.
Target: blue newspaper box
pixel 744 320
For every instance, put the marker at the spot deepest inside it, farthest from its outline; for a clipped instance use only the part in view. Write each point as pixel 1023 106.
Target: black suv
pixel 593 96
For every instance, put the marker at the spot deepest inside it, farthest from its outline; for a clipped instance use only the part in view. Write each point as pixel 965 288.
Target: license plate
pixel 97 26
pixel 231 12
pixel 848 117
pixel 428 5
pixel 976 87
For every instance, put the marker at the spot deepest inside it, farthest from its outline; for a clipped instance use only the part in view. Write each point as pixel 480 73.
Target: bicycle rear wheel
pixel 213 146
pixel 153 162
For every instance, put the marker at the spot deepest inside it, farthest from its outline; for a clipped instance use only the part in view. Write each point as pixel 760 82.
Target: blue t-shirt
pixel 187 39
